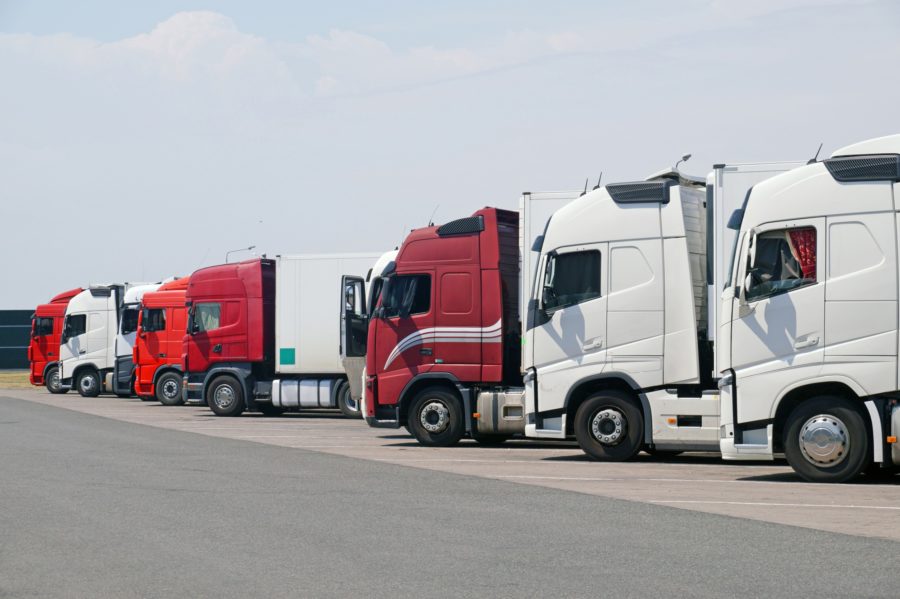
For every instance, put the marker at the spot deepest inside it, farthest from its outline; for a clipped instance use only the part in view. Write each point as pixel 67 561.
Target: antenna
pixel 585 186
pixel 600 178
pixel 815 158
pixel 684 158
pixel 431 218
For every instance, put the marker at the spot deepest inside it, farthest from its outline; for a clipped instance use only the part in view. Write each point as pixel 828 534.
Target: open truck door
pixel 354 329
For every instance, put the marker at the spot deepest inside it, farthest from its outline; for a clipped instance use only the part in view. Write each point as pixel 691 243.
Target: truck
pixel 161 327
pixel 123 373
pixel 264 334
pixel 43 349
pixel 808 338
pixel 88 345
pixel 592 323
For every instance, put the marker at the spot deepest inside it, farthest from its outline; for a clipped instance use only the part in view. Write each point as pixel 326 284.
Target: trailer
pixel 265 334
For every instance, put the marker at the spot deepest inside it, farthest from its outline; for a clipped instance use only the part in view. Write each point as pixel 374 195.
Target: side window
pixel 785 260
pixel 154 319
pixel 407 295
pixel 76 324
pixel 205 317
pixel 129 320
pixel 43 326
pixel 571 279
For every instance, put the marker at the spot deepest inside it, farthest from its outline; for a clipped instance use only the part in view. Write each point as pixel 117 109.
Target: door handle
pixel 426 351
pixel 217 348
pixel 162 355
pixel 82 351
pixel 595 344
pixel 49 353
pixel 810 342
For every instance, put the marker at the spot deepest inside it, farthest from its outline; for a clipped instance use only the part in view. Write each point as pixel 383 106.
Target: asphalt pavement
pixel 94 507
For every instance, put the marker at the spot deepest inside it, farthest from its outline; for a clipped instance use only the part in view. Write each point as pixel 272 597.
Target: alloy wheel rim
pixel 609 426
pixel 435 417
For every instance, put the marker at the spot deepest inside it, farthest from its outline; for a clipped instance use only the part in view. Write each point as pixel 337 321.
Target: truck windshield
pixel 129 320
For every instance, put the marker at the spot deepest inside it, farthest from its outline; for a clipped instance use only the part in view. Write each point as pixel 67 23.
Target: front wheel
pixel 168 389
pixel 609 426
pixel 53 382
pixel 88 383
pixel 349 407
pixel 435 418
pixel 225 396
pixel 826 440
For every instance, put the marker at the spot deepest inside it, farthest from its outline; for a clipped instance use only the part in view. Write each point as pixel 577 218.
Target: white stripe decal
pixel 491 334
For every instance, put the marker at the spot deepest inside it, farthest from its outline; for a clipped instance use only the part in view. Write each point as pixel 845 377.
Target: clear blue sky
pixel 141 140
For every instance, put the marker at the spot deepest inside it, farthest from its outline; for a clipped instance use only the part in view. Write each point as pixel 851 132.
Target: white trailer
pixel 308 369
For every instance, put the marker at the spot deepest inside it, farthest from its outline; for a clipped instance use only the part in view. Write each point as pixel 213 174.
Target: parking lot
pixel 763 491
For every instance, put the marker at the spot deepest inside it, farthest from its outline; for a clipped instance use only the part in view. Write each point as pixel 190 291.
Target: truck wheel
pixel 88 383
pixel 826 440
pixel 435 418
pixel 225 397
pixel 349 406
pixel 609 426
pixel 53 382
pixel 168 389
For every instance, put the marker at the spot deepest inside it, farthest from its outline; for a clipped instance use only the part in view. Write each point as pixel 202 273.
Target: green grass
pixel 14 379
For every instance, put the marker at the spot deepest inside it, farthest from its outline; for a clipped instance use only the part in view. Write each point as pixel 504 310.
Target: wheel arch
pixel 580 391
pixel 419 382
pixel 796 395
pixel 163 370
pixel 241 375
pixel 47 367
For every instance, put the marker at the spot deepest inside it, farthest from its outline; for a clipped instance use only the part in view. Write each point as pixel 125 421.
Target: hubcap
pixel 435 417
pixel 53 379
pixel 170 389
pixel 609 426
pixel 87 383
pixel 824 440
pixel 223 396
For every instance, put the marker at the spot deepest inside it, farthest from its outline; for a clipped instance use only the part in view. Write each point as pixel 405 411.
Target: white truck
pixel 808 338
pixel 90 332
pixel 123 373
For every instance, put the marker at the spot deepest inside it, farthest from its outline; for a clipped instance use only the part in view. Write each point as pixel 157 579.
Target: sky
pixel 143 140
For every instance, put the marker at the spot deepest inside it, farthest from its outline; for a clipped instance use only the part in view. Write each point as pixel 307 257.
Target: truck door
pixel 569 335
pixel 354 329
pixel 404 335
pixel 778 319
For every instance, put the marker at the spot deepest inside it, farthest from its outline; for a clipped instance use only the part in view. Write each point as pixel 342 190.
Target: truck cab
pixel 88 341
pixel 808 339
pixel 43 349
pixel 162 322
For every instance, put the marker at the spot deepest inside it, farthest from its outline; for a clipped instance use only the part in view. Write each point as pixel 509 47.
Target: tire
pixel 168 389
pixel 88 383
pixel 440 411
pixel 826 440
pixel 53 382
pixel 349 407
pixel 489 440
pixel 609 427
pixel 225 397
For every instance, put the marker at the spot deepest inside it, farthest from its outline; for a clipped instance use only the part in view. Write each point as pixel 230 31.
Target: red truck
pixel 162 322
pixel 447 325
pixel 43 350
